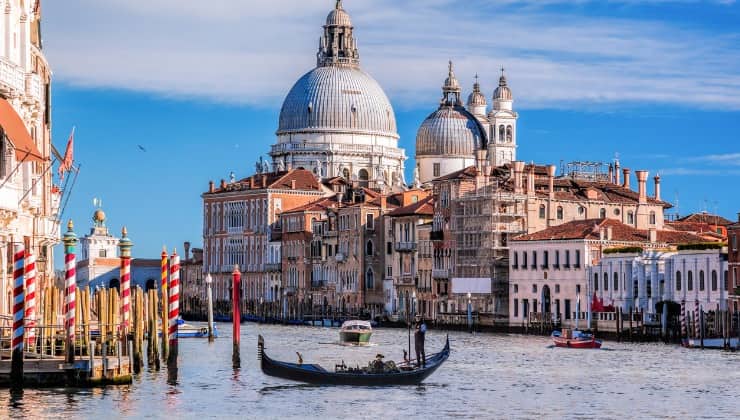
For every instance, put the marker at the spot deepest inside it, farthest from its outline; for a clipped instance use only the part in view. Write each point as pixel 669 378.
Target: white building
pixel 28 200
pixel 336 120
pixel 550 269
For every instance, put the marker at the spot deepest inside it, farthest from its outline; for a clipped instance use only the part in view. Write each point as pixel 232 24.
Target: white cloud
pixel 251 52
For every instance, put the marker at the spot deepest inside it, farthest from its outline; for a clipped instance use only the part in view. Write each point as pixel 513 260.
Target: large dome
pixel 449 131
pixel 337 99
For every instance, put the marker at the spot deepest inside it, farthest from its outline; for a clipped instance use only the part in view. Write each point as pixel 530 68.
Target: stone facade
pixel 733 234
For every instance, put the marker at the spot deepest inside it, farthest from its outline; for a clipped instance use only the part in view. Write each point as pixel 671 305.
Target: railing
pixel 406 279
pixel 12 76
pixel 273 267
pixel 343 148
pixel 34 87
pixel 440 273
pixel 405 246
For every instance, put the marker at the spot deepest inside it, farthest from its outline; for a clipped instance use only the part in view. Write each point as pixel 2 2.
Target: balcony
pixel 318 284
pixel 276 235
pixel 12 78
pixel 273 267
pixel 406 279
pixel 441 273
pixel 437 235
pixel 405 246
pixel 34 87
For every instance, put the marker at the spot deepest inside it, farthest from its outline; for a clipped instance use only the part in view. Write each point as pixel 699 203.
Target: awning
pixel 16 131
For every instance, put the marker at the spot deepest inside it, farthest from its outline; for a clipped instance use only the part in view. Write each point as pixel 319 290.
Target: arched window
pixel 606 282
pixel 596 281
pixel 690 281
pixel 602 213
pixel 701 281
pixel 501 133
pixel 714 280
pixel 560 213
pixel 509 134
pixel 364 177
pixel 652 217
pixel 370 279
pixel 542 211
pixel 615 282
pixel 369 248
pixel 345 173
pixel 678 281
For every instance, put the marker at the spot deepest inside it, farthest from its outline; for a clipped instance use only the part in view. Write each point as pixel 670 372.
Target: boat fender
pixel 204 331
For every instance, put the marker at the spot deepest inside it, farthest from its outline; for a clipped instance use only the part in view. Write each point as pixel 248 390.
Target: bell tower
pixel 502 144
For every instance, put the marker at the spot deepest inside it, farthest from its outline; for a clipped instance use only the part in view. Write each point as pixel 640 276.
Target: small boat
pixel 711 343
pixel 185 330
pixel 575 339
pixel 355 332
pixel 387 374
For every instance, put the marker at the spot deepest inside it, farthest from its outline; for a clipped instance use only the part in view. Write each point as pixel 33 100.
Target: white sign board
pixel 465 285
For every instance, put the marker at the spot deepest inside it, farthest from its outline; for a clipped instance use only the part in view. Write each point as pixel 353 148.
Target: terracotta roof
pixel 18 134
pixel 321 204
pixel 708 218
pixel 304 180
pixel 423 207
pixel 466 173
pixel 589 230
pixel 579 190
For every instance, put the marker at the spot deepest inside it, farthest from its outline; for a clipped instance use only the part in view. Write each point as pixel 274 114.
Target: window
pixel 567 308
pixel 578 289
pixel 617 212
pixel 369 248
pixel 567 258
pixel 501 133
pixel 581 210
pixel 635 289
pixel 606 282
pixel 345 173
pixel 596 281
pixel 701 281
pixel 690 281
pixel 370 279
pixel 615 282
pixel 369 222
pixel 734 242
pixel 525 307
pixel 652 217
pixel 560 213
pixel 534 305
pixel 557 259
pixel 524 260
pixel 534 260
pixel 678 281
pixel 557 288
pixel 727 278
pixel 389 271
pixel 534 288
pixel 508 134
pixel 630 218
pixel 602 213
pixel 516 308
pixel 389 248
pixel 515 263
pixel 546 260
pixel 542 211
pixel 435 170
pixel 516 288
pixel 649 288
pixel 577 263
pixel 714 280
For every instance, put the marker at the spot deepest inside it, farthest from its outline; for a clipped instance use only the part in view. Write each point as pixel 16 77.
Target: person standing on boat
pixel 419 336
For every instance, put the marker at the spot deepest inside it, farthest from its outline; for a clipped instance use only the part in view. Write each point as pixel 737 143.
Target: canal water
pixel 487 376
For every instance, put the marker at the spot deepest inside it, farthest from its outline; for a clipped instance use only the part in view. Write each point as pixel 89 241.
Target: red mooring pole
pixel 16 363
pixel 236 319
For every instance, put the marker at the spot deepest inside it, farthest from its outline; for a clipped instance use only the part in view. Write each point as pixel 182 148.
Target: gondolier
pixel 419 337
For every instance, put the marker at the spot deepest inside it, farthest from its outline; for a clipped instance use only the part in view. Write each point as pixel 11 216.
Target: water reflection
pixel 501 376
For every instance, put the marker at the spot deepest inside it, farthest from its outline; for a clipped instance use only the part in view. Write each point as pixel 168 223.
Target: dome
pixel 337 99
pixel 338 17
pixel 502 92
pixel 450 130
pixel 476 98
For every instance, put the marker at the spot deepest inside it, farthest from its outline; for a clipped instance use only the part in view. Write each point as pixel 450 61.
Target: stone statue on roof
pixel 279 165
pixel 265 166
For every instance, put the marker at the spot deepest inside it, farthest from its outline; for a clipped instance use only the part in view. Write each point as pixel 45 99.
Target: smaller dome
pixel 99 216
pixel 338 17
pixel 449 131
pixel 502 92
pixel 476 98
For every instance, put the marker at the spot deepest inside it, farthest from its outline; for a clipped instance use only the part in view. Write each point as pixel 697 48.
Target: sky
pixel 199 85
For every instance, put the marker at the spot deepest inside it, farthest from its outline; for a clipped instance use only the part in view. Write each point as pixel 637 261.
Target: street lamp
pixel 470 315
pixel 209 280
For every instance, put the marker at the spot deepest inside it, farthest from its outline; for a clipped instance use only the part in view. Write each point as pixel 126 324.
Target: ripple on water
pixel 487 376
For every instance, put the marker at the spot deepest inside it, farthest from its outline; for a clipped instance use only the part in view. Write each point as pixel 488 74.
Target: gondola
pixel 403 374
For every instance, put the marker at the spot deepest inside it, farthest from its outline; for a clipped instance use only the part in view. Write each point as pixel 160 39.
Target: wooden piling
pixel 701 328
pixel 236 317
pixel 137 323
pixel 153 353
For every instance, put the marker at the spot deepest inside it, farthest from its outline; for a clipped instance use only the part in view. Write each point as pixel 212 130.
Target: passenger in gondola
pixel 378 364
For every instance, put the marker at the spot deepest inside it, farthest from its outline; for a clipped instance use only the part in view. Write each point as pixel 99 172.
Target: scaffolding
pixel 588 171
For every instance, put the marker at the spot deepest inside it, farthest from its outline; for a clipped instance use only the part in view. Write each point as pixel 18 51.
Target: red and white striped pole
pixel 164 304
pixel 70 289
pixel 16 367
pixel 174 306
pixel 31 299
pixel 124 246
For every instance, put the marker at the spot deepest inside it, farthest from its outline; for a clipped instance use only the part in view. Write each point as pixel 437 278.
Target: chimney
pixel 211 186
pixel 642 185
pixel 617 173
pixel 223 183
pixel 292 184
pixel 551 179
pixel 264 181
pixel 653 235
pixel 480 161
pixel 609 233
pixel 602 234
pixel 518 168
pixel 530 181
pixel 383 203
pixel 186 245
pixel 626 183
pixel 611 173
pixel 657 187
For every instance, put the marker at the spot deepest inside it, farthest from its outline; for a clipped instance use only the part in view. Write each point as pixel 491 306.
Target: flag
pixel 66 163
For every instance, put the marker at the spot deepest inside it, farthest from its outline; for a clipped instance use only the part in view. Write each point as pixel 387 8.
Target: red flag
pixel 597 305
pixel 66 164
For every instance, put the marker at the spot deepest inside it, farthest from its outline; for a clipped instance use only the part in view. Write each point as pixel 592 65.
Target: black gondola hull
pixel 314 374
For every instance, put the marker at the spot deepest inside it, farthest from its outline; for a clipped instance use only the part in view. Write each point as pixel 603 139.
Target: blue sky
pixel 199 86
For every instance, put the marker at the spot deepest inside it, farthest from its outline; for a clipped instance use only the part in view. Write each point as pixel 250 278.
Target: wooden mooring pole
pixel 236 321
